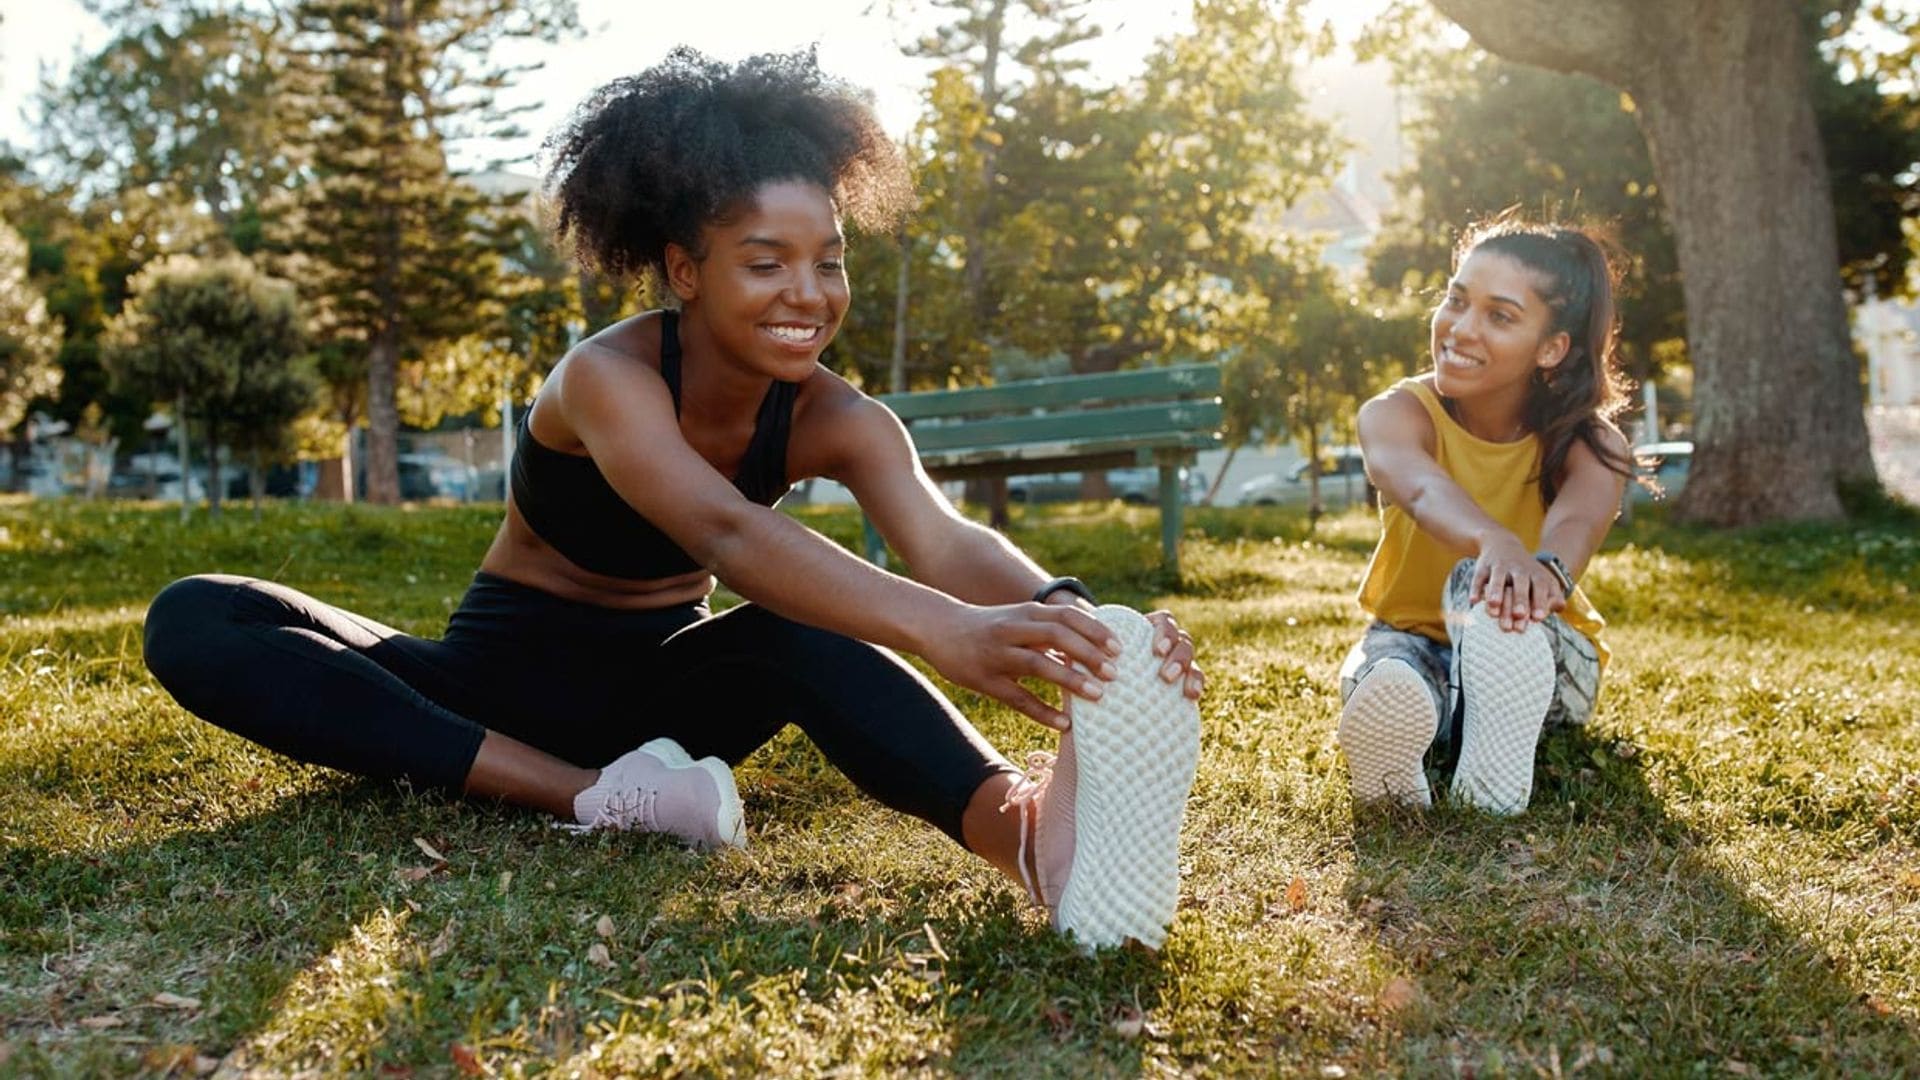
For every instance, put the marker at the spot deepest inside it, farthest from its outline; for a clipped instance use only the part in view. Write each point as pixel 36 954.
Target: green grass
pixel 1721 876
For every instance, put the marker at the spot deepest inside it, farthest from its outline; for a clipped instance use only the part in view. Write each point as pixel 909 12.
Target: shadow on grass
pixel 315 933
pixel 1619 936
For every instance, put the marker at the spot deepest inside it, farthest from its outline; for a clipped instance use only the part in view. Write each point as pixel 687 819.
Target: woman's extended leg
pixel 879 721
pixel 1393 693
pixel 1508 682
pixel 328 687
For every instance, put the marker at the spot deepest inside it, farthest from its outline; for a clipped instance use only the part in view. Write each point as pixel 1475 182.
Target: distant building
pixel 1889 330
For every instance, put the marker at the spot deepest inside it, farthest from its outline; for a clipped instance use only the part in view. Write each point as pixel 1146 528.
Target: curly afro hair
pixel 649 159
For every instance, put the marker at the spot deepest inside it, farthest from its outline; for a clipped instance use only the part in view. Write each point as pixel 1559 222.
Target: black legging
pixel 582 682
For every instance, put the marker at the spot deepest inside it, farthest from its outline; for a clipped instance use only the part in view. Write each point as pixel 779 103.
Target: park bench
pixel 1155 416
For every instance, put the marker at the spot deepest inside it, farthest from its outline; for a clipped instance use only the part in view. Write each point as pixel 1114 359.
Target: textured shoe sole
pixel 1385 729
pixel 1135 751
pixel 730 819
pixel 1507 680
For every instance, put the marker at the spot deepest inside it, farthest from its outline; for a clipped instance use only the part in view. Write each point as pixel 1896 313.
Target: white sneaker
pixel 1385 728
pixel 658 788
pixel 1507 681
pixel 1107 810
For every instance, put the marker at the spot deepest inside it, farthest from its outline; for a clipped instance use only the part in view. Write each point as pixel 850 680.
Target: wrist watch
pixel 1559 570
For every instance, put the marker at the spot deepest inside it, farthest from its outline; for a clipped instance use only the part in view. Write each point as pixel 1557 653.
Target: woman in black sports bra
pixel 645 469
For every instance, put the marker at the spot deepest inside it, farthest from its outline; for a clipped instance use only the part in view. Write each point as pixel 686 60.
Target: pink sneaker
pixel 1105 813
pixel 658 788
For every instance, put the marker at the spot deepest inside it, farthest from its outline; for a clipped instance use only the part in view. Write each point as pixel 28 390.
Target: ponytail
pixel 1577 399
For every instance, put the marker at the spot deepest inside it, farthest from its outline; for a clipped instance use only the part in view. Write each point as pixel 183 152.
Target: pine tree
pixel 405 256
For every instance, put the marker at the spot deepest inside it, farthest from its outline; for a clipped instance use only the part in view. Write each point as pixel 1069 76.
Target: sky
pixel 857 39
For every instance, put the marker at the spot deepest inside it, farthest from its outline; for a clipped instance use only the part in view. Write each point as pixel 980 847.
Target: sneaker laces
pixel 626 808
pixel 1025 794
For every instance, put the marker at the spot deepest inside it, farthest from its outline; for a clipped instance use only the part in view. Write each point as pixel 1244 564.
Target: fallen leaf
pixel 1058 1021
pixel 1333 1072
pixel 204 1065
pixel 1398 994
pixel 506 879
pixel 413 873
pixel 465 1060
pixel 167 1057
pixel 428 850
pixel 604 927
pixel 1739 1068
pixel 1297 895
pixel 442 943
pixel 1910 878
pixel 175 1001
pixel 101 1023
pixel 597 954
pixel 1128 1023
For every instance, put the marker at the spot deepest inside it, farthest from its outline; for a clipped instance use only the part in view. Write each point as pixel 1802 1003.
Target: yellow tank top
pixel 1409 569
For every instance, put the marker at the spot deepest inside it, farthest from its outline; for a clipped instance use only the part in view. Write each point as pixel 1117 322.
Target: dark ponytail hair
pixel 1578 398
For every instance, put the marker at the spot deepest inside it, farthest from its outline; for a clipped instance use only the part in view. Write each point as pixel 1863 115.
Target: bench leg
pixel 1171 506
pixel 872 544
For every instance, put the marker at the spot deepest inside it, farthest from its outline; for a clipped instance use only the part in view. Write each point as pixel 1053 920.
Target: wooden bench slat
pixel 1143 450
pixel 1137 421
pixel 1186 380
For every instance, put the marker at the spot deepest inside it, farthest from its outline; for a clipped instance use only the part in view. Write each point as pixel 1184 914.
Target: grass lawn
pixel 1721 876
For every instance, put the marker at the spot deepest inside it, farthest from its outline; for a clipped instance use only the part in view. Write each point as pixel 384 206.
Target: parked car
pixel 1337 467
pixel 291 480
pixel 154 476
pixel 1666 463
pixel 435 476
pixel 1140 486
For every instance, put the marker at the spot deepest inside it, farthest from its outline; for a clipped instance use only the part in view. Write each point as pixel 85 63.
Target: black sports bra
pixel 570 505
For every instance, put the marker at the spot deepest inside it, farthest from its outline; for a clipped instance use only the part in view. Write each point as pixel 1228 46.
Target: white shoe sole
pixel 730 819
pixel 1507 680
pixel 1135 752
pixel 1385 729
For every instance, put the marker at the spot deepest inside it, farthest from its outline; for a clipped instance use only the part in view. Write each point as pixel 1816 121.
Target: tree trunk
pixel 982 218
pixel 1213 489
pixel 1778 421
pixel 1721 92
pixel 186 474
pixel 256 482
pixel 213 466
pixel 897 377
pixel 383 421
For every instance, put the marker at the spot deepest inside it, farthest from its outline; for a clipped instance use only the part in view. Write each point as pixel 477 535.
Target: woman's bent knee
pixel 180 620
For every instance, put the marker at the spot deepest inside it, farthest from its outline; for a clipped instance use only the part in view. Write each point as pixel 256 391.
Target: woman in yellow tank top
pixel 1500 472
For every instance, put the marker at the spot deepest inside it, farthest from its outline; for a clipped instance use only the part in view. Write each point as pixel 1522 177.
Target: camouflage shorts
pixel 1576 663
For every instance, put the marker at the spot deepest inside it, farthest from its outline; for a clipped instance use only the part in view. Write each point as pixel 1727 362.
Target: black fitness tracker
pixel 1071 584
pixel 1559 570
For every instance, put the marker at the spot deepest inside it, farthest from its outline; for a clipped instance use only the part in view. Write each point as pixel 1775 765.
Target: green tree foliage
pixel 1488 133
pixel 183 106
pixel 1313 347
pixel 220 341
pixel 29 339
pixel 405 257
pixel 1726 94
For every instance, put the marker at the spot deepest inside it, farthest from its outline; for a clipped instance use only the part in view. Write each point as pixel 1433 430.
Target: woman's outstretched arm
pixel 1397 439
pixel 628 426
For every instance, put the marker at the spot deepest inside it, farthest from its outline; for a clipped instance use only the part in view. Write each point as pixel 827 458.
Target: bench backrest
pixel 1173 405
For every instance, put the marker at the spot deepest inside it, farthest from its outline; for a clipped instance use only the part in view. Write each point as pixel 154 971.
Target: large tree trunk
pixel 383 421
pixel 1721 92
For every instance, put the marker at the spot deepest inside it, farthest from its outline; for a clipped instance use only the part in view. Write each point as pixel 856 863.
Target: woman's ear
pixel 1553 350
pixel 683 273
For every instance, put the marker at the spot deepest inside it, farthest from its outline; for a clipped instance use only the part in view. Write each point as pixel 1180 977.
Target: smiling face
pixel 1492 330
pixel 770 286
